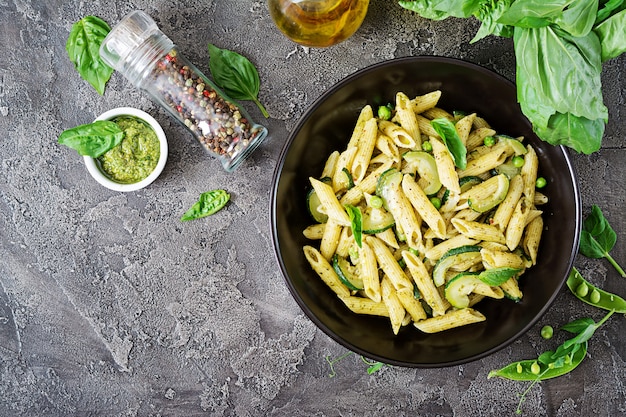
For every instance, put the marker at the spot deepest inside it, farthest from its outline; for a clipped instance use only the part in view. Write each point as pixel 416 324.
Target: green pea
pixel 489 141
pixel 518 161
pixel 427 146
pixel 519 368
pixel 436 201
pixel 594 297
pixel 376 201
pixel 541 182
pixel 384 112
pixel 582 290
pixel 547 332
pixel 535 368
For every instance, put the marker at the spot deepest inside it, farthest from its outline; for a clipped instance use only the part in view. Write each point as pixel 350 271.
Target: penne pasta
pixel 450 320
pixel 400 137
pixel 369 272
pixel 393 304
pixel 325 271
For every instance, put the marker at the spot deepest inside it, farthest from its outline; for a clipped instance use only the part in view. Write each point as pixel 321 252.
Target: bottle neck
pixel 140 62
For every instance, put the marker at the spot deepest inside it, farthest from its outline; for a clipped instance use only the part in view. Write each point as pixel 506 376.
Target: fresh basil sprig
pixel 236 75
pixel 446 129
pixel 93 139
pixel 559 48
pixel 83 48
pixel 209 203
pixel 598 238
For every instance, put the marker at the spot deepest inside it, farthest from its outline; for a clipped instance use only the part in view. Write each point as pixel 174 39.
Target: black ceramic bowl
pixel 326 127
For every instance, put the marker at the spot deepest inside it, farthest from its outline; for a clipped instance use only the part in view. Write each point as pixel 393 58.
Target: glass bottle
pixel 318 23
pixel 151 62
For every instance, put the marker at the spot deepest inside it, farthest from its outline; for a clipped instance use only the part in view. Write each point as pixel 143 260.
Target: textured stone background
pixel 109 305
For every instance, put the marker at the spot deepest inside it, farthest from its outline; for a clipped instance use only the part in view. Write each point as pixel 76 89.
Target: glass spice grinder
pixel 151 62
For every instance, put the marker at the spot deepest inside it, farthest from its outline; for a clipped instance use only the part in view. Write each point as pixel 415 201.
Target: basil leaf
pixel 83 49
pixel 426 9
pixel 579 18
pixel 559 72
pixel 497 276
pixel 533 13
pixel 607 9
pixel 93 139
pixel 209 203
pixel 579 133
pixel 356 220
pixel 488 14
pixel 597 237
pixel 446 129
pixel 612 36
pixel 236 75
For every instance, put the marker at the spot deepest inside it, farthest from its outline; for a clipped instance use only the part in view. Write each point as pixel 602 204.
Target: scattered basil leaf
pixel 356 220
pixel 83 49
pixel 533 13
pixel 209 203
pixel 446 129
pixel 92 139
pixel 598 238
pixel 497 276
pixel 236 75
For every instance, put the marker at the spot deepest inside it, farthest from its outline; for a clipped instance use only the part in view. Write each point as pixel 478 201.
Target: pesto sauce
pixel 136 156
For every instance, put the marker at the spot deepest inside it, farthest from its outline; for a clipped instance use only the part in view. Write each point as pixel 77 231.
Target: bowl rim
pixel 275 238
pixel 102 179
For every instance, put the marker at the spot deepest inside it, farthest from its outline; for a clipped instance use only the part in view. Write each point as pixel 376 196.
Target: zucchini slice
pixel 376 220
pixel 488 194
pixel 453 257
pixel 388 180
pixel 347 274
pixel 313 204
pixel 426 167
pixel 459 288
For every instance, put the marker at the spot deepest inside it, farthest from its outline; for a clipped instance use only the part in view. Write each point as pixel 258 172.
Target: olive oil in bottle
pixel 318 23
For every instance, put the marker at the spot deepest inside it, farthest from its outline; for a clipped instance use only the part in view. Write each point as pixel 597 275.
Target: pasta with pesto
pixel 405 233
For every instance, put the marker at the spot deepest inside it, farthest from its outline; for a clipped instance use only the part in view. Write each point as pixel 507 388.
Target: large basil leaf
pixel 559 71
pixel 581 134
pixel 236 75
pixel 93 139
pixel 533 13
pixel 488 14
pixel 425 8
pixel 460 9
pixel 578 19
pixel 607 8
pixel 83 49
pixel 612 34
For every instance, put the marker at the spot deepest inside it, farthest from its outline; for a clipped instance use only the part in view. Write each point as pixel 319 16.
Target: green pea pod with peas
pixel 590 294
pixel 535 369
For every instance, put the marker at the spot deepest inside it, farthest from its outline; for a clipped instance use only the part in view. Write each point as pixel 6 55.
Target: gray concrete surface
pixel 109 306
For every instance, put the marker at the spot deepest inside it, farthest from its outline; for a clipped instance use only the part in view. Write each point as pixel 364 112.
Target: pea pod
pixel 535 370
pixel 590 294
